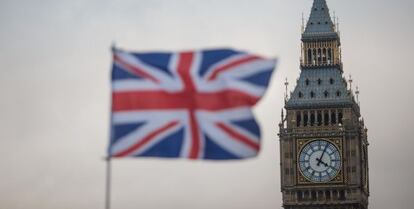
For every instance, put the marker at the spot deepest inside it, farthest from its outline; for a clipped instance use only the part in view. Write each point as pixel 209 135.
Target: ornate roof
pixel 321 87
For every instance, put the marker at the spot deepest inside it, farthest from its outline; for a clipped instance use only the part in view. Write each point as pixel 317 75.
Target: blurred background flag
pixel 193 104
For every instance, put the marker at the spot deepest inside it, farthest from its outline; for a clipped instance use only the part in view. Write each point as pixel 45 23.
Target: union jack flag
pixel 194 104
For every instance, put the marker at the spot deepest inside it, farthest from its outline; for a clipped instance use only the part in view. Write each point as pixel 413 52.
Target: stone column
pixel 329 117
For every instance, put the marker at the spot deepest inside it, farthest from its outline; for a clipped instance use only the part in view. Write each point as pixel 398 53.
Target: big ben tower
pixel 323 139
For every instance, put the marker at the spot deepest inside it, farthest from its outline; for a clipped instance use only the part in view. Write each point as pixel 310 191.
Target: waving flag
pixel 193 105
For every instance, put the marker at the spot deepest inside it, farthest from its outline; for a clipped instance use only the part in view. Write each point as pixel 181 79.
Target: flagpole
pixel 108 158
pixel 108 184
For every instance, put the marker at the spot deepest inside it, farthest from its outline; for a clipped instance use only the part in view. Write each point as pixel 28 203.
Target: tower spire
pixel 319 19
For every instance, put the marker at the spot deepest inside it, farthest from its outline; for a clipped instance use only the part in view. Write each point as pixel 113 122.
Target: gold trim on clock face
pixel 319 161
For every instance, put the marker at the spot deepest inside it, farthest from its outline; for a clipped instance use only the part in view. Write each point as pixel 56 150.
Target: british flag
pixel 193 104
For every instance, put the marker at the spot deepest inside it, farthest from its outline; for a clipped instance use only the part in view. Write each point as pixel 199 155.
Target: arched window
pixel 307 82
pixel 324 56
pixel 331 81
pixel 312 119
pixel 298 119
pixel 300 195
pixel 305 119
pixel 329 56
pixel 312 94
pixel 340 116
pixel 300 94
pixel 335 194
pixel 342 195
pixel 319 81
pixel 313 195
pixel 319 118
pixel 319 55
pixel 328 195
pixel 333 118
pixel 326 117
pixel 309 61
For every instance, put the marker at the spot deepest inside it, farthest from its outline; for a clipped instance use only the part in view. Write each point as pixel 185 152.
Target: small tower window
pixel 338 93
pixel 319 118
pixel 319 23
pixel 333 118
pixel 305 119
pixel 311 23
pixel 329 56
pixel 312 119
pixel 300 94
pixel 326 93
pixel 326 22
pixel 298 119
pixel 319 81
pixel 307 82
pixel 324 56
pixel 300 195
pixel 340 116
pixel 319 56
pixel 312 94
pixel 328 195
pixel 331 81
pixel 326 118
pixel 313 195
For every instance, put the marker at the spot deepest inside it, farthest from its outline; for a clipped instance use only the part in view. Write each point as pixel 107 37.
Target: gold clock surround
pixel 301 179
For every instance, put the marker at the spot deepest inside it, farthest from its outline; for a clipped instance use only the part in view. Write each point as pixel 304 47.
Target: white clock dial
pixel 319 161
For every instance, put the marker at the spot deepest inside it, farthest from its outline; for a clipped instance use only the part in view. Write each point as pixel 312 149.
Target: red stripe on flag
pixel 237 136
pixel 188 99
pixel 134 69
pixel 151 100
pixel 230 65
pixel 184 70
pixel 195 137
pixel 145 140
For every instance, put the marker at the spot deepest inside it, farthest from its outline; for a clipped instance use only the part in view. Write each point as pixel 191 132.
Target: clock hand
pixel 320 159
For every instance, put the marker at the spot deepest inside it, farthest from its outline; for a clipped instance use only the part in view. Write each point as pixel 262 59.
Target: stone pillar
pixel 337 116
pixel 329 117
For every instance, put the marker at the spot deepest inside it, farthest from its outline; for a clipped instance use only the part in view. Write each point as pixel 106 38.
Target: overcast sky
pixel 54 98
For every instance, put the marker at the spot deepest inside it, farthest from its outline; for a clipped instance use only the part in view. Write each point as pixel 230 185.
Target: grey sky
pixel 54 98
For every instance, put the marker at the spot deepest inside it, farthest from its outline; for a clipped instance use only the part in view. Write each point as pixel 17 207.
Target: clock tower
pixel 323 139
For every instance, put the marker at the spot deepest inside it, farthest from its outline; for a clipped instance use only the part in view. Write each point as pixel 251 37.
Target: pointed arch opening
pixel 329 56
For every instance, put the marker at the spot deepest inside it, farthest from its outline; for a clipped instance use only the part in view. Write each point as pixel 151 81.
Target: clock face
pixel 319 161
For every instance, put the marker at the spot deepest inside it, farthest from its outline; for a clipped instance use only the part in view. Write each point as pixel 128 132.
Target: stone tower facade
pixel 323 139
